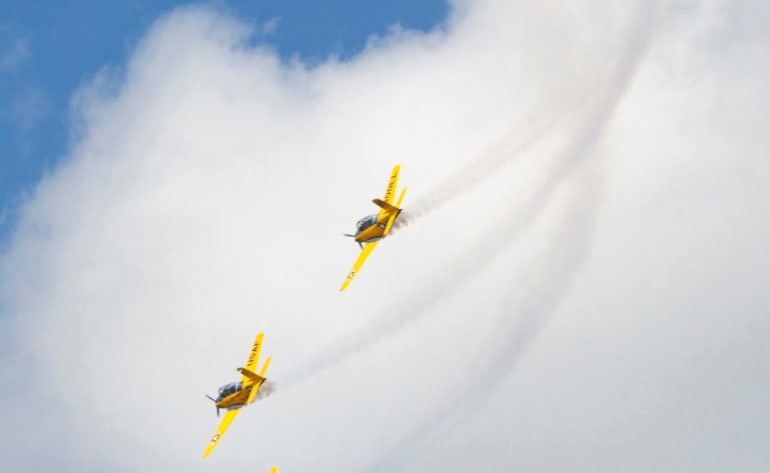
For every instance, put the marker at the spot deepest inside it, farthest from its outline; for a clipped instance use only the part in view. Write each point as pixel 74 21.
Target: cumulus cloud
pixel 596 167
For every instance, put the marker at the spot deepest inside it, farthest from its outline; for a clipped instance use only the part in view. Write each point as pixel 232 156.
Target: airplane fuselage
pixel 239 398
pixel 371 228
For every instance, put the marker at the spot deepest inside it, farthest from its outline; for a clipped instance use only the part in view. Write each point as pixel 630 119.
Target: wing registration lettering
pixel 251 363
pixel 390 191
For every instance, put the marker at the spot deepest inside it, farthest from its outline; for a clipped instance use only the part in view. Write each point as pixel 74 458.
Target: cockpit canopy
pixel 365 223
pixel 229 389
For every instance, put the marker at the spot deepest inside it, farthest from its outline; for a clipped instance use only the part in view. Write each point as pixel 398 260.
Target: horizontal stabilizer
pixel 250 374
pixel 386 206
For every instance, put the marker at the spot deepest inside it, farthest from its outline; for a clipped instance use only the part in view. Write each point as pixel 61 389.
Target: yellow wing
pixel 220 431
pixel 359 262
pixel 274 469
pixel 390 191
pixel 251 363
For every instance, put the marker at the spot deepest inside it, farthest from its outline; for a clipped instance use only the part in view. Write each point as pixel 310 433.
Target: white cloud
pixel 578 288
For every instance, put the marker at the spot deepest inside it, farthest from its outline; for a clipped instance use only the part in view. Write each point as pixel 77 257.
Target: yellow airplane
pixel 372 228
pixel 233 396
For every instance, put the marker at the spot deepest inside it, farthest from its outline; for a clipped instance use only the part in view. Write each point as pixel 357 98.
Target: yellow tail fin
pixel 264 367
pixel 401 197
pixel 395 215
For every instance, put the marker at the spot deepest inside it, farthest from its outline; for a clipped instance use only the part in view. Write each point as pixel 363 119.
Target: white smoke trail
pixel 449 278
pixel 456 274
pixel 517 327
pixel 477 171
pixel 520 323
pixel 265 390
pixel 409 308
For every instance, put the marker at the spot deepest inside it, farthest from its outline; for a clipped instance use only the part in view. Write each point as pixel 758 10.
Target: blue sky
pixel 48 48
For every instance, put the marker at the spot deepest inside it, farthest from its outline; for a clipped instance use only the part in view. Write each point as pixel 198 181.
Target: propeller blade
pixel 215 401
